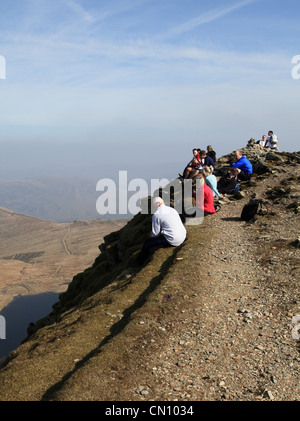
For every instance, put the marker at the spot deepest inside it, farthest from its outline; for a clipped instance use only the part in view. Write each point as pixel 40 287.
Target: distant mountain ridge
pixel 59 199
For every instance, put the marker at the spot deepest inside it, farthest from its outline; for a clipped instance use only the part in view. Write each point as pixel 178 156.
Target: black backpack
pixel 251 209
pixel 217 206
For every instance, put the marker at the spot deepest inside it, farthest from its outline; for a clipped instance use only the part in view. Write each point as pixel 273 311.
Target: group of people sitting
pixel 167 225
pixel 204 165
pixel 270 141
pixel 200 159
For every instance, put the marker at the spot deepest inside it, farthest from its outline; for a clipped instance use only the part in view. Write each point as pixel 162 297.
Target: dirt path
pixel 65 244
pixel 233 341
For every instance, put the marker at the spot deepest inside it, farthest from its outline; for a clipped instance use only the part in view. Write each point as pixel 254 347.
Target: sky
pixel 93 87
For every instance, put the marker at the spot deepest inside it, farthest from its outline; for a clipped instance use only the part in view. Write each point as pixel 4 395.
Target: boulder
pixel 251 142
pixel 273 156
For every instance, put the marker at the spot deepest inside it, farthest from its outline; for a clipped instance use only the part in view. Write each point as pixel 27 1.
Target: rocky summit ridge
pixel 213 319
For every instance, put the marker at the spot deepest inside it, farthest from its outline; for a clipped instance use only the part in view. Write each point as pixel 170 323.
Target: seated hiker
pixel 205 199
pixel 227 184
pixel 272 140
pixel 211 180
pixel 193 167
pixel 263 141
pixel 243 165
pixel 167 230
pixel 206 160
pixel 211 153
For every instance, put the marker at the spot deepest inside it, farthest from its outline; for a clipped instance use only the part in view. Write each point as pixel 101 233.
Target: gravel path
pixel 234 339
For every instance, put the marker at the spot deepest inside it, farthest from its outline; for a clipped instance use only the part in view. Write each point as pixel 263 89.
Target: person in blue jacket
pixel 243 165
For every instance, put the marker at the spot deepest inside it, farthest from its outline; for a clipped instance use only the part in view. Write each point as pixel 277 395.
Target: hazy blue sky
pixel 94 86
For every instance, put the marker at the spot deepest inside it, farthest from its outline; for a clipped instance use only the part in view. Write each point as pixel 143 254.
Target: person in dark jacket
pixel 227 184
pixel 206 160
pixel 211 153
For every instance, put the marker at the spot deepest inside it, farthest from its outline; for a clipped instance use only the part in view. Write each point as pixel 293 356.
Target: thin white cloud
pixel 104 12
pixel 79 10
pixel 207 17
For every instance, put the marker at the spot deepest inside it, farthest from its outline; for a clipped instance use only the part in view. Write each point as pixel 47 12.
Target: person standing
pixel 272 140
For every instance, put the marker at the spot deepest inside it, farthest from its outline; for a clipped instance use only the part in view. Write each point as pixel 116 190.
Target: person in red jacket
pixel 193 167
pixel 205 198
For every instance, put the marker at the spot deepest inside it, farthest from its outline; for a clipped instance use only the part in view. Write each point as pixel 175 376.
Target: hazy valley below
pixel 38 256
pixel 59 199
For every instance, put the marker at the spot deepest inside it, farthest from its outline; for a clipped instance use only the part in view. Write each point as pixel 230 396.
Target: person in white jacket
pixel 167 230
pixel 272 140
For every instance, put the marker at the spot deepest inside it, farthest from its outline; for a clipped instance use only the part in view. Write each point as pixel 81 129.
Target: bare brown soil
pixel 39 256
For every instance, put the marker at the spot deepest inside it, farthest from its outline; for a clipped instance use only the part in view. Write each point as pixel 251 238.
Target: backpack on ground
pixel 251 209
pixel 217 206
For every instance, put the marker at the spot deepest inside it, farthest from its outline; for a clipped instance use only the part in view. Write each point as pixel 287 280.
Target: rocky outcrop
pixel 262 159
